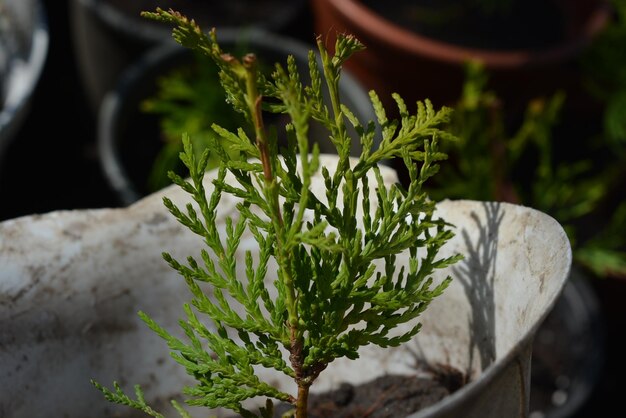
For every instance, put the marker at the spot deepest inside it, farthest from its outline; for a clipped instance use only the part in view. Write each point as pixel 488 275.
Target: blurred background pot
pixel 73 281
pixel 23 51
pixel 401 57
pixel 130 140
pixel 108 35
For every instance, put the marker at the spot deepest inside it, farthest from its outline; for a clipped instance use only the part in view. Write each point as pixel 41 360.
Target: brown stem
pixel 295 349
pixel 303 401
pixel 254 101
pixel 261 140
pixel 297 360
pixel 259 128
pixel 304 377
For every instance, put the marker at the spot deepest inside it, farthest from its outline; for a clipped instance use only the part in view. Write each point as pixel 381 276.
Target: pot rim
pixel 375 26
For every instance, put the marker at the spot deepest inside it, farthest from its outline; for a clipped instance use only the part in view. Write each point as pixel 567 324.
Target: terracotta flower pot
pixel 71 283
pixel 406 61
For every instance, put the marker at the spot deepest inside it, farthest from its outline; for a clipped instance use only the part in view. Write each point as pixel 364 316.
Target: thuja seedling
pixel 330 297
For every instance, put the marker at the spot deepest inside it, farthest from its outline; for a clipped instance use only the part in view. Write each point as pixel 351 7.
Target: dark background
pixel 52 164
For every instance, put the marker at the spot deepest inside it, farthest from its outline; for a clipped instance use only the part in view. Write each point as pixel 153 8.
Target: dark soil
pixel 385 397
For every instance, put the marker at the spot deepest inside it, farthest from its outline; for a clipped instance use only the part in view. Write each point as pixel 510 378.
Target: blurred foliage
pixel 188 99
pixel 605 253
pixel 526 165
pixel 605 65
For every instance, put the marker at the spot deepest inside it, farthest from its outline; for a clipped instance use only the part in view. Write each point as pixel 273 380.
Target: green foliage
pixel 605 252
pixel 605 68
pixel 188 99
pixel 118 396
pixel 489 163
pixel 486 156
pixel 605 65
pixel 324 281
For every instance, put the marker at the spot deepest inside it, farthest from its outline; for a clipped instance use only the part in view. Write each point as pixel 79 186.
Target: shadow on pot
pixel 481 257
pixel 417 63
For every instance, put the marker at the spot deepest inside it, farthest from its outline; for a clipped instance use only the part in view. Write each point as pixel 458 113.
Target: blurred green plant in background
pixel 188 99
pixel 605 67
pixel 526 165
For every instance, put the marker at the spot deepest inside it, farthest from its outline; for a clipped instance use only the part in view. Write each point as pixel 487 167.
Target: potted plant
pixel 305 245
pixel 23 50
pixel 170 90
pixel 419 48
pixel 109 34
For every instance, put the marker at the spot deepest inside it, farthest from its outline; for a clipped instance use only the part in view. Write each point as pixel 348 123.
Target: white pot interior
pixel 72 282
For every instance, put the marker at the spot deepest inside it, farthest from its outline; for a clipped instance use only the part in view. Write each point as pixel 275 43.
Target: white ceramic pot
pixel 72 282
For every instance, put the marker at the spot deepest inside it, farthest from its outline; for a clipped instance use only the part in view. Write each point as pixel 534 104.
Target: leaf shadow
pixel 477 273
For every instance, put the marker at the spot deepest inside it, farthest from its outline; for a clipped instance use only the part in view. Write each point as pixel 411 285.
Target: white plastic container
pixel 71 284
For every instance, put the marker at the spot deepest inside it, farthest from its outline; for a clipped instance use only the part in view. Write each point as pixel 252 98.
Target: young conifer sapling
pixel 324 281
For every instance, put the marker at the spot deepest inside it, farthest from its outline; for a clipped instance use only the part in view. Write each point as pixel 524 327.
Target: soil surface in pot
pixel 388 396
pixel 468 24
